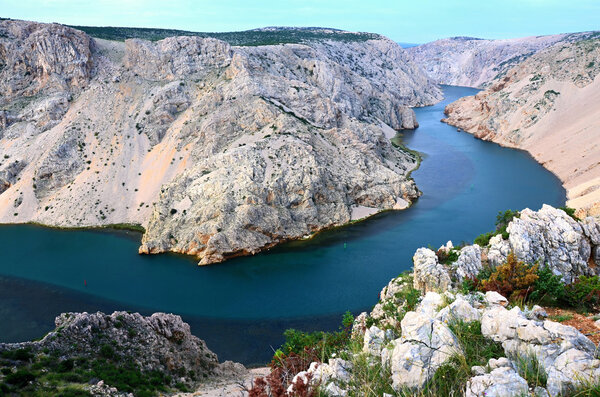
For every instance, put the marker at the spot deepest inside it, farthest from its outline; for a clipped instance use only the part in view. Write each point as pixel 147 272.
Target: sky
pixel 415 21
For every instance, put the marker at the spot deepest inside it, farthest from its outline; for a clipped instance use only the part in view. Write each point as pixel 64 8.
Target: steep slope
pixel 548 105
pixel 473 62
pixel 216 150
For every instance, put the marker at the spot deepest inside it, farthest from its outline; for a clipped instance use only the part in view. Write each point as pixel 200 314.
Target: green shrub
pixel 20 378
pixel 584 293
pixel 483 240
pixel 446 257
pixel 571 212
pixel 548 288
pixel 502 221
pixel 17 355
pixel 73 392
pixel 323 344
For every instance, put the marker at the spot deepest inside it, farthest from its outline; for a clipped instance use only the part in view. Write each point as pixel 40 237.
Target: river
pixel 242 306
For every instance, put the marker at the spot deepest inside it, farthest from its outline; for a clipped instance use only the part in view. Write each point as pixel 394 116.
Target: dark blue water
pixel 242 306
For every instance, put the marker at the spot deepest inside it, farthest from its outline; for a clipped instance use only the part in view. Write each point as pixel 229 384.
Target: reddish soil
pixel 584 324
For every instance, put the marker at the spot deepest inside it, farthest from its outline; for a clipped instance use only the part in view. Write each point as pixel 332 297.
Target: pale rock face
pixel 373 341
pixel 495 299
pixel 562 350
pixel 501 382
pixel 549 236
pixel 430 304
pixel 161 342
pixel 461 310
pixel 472 62
pixel 327 376
pixel 468 262
pixel 428 274
pixel 498 250
pixel 217 151
pixel 426 344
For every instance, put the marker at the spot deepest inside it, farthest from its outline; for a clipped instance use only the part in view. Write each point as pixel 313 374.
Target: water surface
pixel 242 306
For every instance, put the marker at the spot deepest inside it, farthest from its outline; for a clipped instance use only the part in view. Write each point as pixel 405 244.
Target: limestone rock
pixel 561 350
pixel 161 342
pixel 426 344
pixel 461 310
pixel 473 62
pixel 373 341
pixel 468 263
pixel 429 275
pixel 550 236
pixel 501 382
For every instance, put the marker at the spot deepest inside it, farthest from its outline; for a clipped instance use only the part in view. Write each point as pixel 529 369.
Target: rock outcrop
pixel 216 150
pixel 159 343
pixel 548 237
pixel 547 105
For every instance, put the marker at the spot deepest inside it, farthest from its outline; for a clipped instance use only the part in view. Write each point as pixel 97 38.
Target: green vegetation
pixel 316 345
pixel 132 227
pixel 27 374
pixel 561 318
pixel 531 370
pixel 502 221
pixel 570 211
pixel 525 283
pixel 244 38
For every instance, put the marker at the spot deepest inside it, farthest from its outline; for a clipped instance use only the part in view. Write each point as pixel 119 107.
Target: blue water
pixel 465 182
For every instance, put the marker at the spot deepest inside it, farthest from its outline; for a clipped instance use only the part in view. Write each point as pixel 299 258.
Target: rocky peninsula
pixel 216 150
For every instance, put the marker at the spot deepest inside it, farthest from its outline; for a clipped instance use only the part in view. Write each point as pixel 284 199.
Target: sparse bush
pixel 571 212
pixel 502 221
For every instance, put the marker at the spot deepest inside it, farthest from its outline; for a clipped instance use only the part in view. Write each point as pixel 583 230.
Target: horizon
pixel 405 23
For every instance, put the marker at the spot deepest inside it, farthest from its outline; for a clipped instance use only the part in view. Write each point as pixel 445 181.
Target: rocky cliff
pixel 473 62
pixel 547 105
pixel 216 150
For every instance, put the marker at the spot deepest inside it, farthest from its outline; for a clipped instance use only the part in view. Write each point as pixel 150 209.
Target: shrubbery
pixel 524 283
pixel 513 279
pixel 502 221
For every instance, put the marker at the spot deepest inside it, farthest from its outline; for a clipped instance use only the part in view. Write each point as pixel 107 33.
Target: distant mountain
pixel 474 62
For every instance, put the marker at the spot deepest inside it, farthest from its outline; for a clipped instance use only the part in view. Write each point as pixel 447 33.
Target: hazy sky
pixel 415 21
